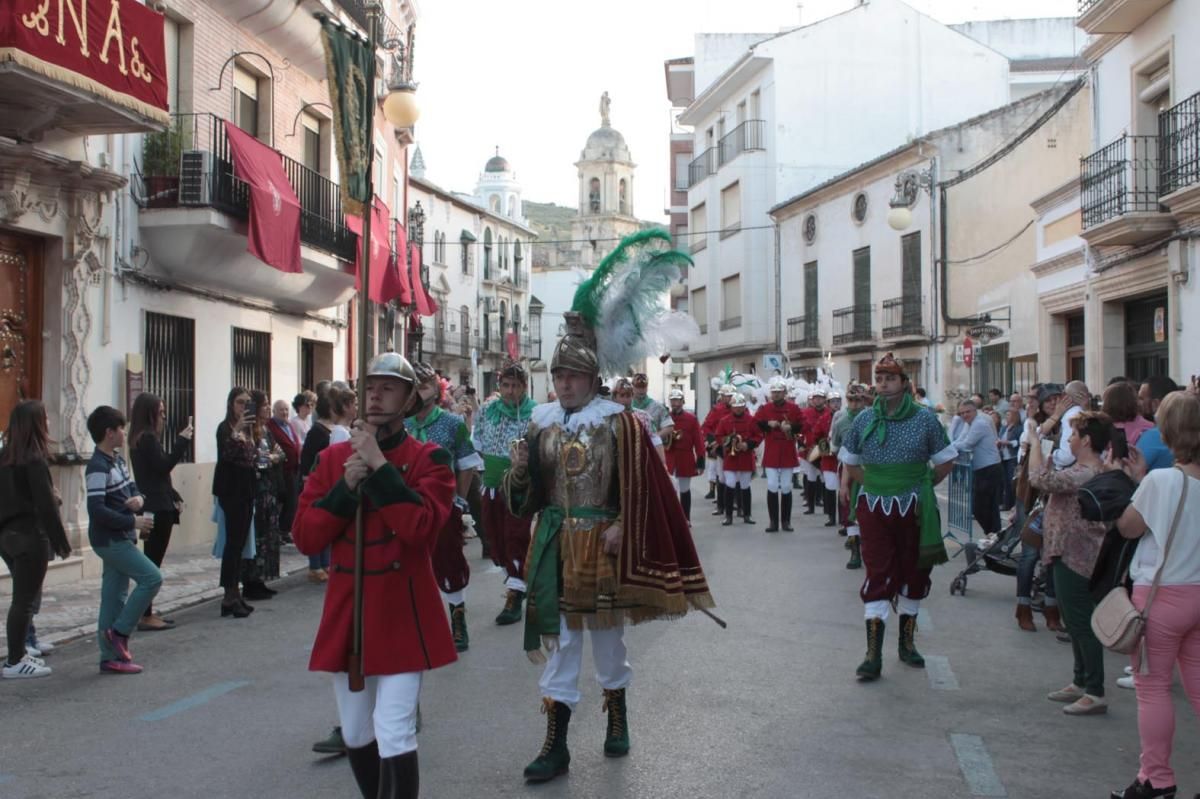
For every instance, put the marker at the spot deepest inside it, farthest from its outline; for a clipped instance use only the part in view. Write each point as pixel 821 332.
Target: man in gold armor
pixel 611 545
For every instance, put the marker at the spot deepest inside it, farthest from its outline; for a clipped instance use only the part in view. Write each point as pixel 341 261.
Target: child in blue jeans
pixel 113 526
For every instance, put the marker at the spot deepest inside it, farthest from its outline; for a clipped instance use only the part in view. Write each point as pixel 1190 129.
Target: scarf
pixel 420 427
pixel 882 417
pixel 497 410
pixel 643 403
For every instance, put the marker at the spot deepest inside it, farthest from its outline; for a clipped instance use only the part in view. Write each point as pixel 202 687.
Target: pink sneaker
pixel 119 643
pixel 120 667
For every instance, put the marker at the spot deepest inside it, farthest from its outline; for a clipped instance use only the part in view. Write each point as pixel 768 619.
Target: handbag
pixel 1119 625
pixel 1106 496
pixel 1031 530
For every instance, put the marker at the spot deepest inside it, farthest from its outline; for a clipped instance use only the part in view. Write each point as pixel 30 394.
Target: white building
pixel 1042 52
pixel 1140 191
pixel 776 115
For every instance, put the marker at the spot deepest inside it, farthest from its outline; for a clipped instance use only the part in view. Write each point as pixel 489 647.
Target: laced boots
pixel 685 500
pixel 746 506
pixel 616 737
pixel 872 665
pixel 721 500
pixel 855 547
pixel 458 627
pixel 810 497
pixel 399 777
pixel 364 762
pixel 773 511
pixel 554 759
pixel 908 646
pixel 512 608
pixel 785 511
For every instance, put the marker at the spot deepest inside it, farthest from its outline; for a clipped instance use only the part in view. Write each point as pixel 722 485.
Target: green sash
pixel 494 467
pixel 894 479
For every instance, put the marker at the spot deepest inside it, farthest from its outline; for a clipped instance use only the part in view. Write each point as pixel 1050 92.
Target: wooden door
pixel 20 321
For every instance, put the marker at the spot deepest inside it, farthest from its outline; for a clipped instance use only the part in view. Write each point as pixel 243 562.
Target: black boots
pixel 364 762
pixel 773 511
pixel 728 508
pixel 458 627
pixel 810 497
pixel 685 499
pixel 908 647
pixel 745 493
pixel 872 665
pixel 721 494
pixel 554 759
pixel 398 777
pixel 786 511
pixel 712 490
pixel 512 608
pixel 855 562
pixel 830 505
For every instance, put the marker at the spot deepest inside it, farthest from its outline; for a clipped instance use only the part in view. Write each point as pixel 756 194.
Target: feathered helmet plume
pixel 622 304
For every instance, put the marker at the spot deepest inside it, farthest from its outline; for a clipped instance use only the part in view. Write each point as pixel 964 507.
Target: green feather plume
pixel 591 291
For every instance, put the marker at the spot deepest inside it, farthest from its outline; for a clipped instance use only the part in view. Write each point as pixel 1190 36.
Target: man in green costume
pixel 897 451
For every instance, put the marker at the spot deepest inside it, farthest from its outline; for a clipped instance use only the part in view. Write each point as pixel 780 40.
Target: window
pixel 731 209
pixel 862 292
pixel 316 363
pixel 380 164
pixel 464 322
pixel 245 101
pixel 465 255
pixel 252 360
pixel 518 260
pixel 594 195
pixel 622 197
pixel 487 253
pixel 698 230
pixel 910 281
pixel 741 112
pixel 170 352
pixel 1152 91
pixel 681 170
pixel 858 208
pixel 512 207
pixel 731 302
pixel 494 203
pixel 1076 358
pixel 811 296
pixel 699 308
pixel 756 104
pixel 312 141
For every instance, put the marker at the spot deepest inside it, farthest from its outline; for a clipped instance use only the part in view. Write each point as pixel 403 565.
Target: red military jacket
pixel 687 446
pixel 747 428
pixel 816 427
pixel 716 413
pixel 407 502
pixel 779 448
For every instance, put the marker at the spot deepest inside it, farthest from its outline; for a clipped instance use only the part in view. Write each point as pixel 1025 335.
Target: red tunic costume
pixel 715 415
pixel 745 427
pixel 816 427
pixel 687 446
pixel 779 448
pixel 408 502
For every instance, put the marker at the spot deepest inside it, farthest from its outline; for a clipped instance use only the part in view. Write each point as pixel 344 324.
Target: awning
pixel 466 235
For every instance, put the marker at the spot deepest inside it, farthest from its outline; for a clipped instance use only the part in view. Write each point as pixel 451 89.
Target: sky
pixel 527 76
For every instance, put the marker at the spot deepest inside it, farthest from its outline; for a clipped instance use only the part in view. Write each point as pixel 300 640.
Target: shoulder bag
pixel 1106 496
pixel 1119 625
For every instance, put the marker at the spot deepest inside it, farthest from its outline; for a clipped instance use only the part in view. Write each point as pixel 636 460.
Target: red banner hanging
pixel 113 49
pixel 385 281
pixel 274 234
pixel 425 304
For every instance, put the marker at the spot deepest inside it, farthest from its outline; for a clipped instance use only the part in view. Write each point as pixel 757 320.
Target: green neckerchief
pixel 643 403
pixel 882 417
pixel 894 479
pixel 499 409
pixel 421 427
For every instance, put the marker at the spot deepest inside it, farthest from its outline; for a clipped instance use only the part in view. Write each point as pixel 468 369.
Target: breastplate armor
pixel 578 469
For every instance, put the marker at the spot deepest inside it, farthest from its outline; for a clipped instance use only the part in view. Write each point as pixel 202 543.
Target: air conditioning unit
pixel 196 178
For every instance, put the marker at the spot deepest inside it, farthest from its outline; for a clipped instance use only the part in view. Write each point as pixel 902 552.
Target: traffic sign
pixel 968 352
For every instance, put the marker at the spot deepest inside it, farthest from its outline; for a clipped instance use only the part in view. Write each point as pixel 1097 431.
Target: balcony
pixel 902 319
pixel 1119 193
pixel 531 349
pixel 194 214
pixel 702 166
pixel 852 328
pixel 1179 156
pixel 1116 16
pixel 747 137
pixel 803 337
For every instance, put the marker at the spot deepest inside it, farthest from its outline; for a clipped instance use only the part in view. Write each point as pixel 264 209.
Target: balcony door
pixel 20 321
pixel 862 293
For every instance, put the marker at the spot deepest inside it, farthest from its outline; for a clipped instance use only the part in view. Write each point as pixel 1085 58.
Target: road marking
pixel 195 700
pixel 941 677
pixel 924 620
pixel 976 765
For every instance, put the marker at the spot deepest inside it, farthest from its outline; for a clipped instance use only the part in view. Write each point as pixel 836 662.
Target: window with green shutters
pixel 910 281
pixel 862 291
pixel 810 301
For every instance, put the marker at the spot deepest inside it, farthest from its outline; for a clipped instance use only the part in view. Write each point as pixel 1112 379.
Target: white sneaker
pixel 45 647
pixel 1129 670
pixel 27 668
pixel 1125 682
pixel 33 650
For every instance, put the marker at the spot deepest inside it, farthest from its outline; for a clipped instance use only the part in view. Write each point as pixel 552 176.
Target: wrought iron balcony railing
pixel 702 166
pixel 191 164
pixel 1119 179
pixel 852 325
pixel 1179 145
pixel 1086 6
pixel 902 317
pixel 802 333
pixel 746 137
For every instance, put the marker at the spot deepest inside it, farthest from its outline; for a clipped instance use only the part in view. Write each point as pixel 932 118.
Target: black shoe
pixel 258 591
pixel 237 609
pixel 785 511
pixel 728 514
pixel 399 777
pixel 712 491
pixel 364 762
pixel 1143 790
pixel 773 511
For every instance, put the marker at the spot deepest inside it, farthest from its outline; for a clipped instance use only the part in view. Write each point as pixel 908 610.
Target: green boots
pixel 512 608
pixel 853 545
pixel 458 627
pixel 908 649
pixel 616 737
pixel 872 665
pixel 554 759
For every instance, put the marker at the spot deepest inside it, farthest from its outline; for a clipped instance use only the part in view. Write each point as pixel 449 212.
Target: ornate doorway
pixel 20 321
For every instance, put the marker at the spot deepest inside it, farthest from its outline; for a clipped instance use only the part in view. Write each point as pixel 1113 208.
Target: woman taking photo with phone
pixel 30 527
pixel 152 471
pixel 233 487
pixel 268 486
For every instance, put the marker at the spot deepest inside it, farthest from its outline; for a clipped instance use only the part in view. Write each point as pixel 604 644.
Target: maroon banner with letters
pixel 111 48
pixel 274 234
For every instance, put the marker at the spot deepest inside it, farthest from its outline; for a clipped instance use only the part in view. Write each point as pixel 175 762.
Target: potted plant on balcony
pixel 161 153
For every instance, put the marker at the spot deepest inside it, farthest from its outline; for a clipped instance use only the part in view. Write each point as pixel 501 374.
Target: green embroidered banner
pixel 351 72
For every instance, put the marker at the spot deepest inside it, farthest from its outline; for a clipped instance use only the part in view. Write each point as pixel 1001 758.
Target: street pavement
pixel 767 708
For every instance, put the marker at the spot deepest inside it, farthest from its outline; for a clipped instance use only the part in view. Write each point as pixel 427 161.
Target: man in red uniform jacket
pixel 684 446
pixel 738 435
pixel 715 471
pixel 780 421
pixel 409 490
pixel 817 420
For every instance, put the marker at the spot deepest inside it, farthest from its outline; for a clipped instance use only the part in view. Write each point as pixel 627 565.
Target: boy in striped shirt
pixel 113 526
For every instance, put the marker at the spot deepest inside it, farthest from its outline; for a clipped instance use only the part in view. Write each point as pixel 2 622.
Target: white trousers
pixel 738 479
pixel 809 471
pixel 560 678
pixel 852 531
pixel 385 711
pixel 831 480
pixel 713 470
pixel 880 608
pixel 683 484
pixel 779 480
pixel 456 597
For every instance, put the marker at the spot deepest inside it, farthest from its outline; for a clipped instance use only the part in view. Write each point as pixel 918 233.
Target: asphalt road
pixel 767 708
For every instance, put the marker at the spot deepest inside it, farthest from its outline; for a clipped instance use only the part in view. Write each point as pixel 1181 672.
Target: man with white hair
pixel 715 469
pixel 780 422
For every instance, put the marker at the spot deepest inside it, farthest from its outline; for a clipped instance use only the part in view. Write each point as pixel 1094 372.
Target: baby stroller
pixel 999 555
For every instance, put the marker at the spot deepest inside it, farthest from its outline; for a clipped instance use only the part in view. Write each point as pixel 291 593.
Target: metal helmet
pixel 676 394
pixel 833 395
pixel 777 384
pixel 727 390
pixel 392 364
pixel 424 372
pixel 738 401
pixel 576 350
pixel 817 391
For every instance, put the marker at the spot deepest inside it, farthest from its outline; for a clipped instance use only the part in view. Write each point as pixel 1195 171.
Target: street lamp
pixel 908 189
pixel 400 103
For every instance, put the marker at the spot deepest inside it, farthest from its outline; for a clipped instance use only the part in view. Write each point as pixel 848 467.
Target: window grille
pixel 252 360
pixel 170 370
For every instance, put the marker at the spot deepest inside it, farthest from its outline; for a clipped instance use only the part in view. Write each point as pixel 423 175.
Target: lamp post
pixel 908 189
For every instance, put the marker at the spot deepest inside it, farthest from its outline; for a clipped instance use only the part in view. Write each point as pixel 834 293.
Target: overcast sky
pixel 527 76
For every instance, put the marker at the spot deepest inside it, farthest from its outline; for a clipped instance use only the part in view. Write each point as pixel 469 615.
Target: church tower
pixel 498 190
pixel 605 170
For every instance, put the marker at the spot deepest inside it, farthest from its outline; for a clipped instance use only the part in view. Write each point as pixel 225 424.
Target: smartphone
pixel 251 410
pixel 1120 444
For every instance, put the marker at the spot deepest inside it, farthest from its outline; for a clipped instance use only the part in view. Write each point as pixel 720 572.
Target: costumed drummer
pixel 407 488
pixel 684 446
pixel 817 420
pixel 898 451
pixel 715 470
pixel 780 422
pixel 611 546
pixel 738 435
